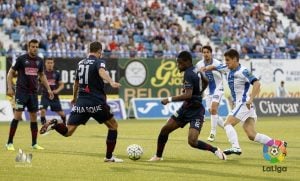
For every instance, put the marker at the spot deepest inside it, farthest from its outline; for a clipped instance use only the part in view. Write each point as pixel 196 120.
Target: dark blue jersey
pixel 53 78
pixel 90 83
pixel 28 69
pixel 192 80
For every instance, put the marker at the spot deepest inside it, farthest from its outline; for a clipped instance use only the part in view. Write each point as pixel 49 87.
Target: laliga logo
pixel 274 151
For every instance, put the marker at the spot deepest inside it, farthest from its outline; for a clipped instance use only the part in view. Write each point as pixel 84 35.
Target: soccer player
pixel 29 67
pixel 90 100
pixel 192 110
pixel 56 85
pixel 239 80
pixel 216 90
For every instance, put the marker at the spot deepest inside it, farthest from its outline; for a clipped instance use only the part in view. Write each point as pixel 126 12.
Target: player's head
pixel 184 60
pixel 49 64
pixel 282 83
pixel 95 49
pixel 232 58
pixel 33 46
pixel 207 52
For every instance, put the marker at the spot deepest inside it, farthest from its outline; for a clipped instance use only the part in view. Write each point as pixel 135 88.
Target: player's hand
pixel 115 84
pixel 164 101
pixel 10 92
pixel 51 95
pixel 73 101
pixel 202 69
pixel 55 92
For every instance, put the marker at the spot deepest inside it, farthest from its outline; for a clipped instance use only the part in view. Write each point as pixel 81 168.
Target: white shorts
pixel 242 113
pixel 216 97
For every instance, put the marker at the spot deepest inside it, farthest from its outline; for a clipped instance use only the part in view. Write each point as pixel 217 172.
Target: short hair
pixel 207 47
pixel 282 82
pixel 49 58
pixel 33 41
pixel 95 47
pixel 185 56
pixel 232 53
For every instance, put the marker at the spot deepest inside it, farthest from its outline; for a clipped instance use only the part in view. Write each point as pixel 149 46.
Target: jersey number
pixel 83 74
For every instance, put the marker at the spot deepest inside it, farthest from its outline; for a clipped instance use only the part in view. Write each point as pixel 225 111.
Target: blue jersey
pixel 239 81
pixel 28 69
pixel 215 78
pixel 192 80
pixel 90 83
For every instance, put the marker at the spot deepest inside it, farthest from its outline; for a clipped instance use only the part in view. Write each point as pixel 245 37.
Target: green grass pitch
pixel 80 157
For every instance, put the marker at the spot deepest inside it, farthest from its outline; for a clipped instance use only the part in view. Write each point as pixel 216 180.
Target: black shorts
pixel 54 103
pixel 193 115
pixel 86 108
pixel 26 100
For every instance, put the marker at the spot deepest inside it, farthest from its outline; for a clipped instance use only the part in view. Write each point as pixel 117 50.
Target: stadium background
pixel 266 33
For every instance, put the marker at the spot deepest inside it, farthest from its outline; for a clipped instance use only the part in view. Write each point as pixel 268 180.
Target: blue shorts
pixel 85 108
pixel 190 114
pixel 54 103
pixel 26 100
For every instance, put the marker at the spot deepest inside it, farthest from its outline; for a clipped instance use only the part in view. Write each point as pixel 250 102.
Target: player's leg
pixel 32 107
pixel 195 143
pixel 62 115
pixel 43 108
pixel 231 133
pixel 111 140
pixel 12 130
pixel 163 136
pixel 213 121
pixel 249 127
pixel 56 107
pixel 43 116
pixel 20 101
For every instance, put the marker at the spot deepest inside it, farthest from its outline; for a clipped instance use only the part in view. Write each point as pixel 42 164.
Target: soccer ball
pixel 134 151
pixel 274 151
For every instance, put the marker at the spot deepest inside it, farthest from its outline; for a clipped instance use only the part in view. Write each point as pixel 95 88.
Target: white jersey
pixel 215 77
pixel 239 81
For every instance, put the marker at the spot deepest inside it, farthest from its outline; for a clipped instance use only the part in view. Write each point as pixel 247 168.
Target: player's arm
pixel 60 87
pixel 188 92
pixel 45 83
pixel 106 77
pixel 255 91
pixel 10 75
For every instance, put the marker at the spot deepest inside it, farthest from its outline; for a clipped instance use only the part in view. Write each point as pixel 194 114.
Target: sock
pixel 61 128
pixel 220 122
pixel 204 146
pixel 64 119
pixel 263 139
pixel 111 142
pixel 213 123
pixel 12 130
pixel 34 131
pixel 43 120
pixel 232 136
pixel 161 142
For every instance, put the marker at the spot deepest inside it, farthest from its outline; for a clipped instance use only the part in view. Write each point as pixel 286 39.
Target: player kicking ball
pixel 191 111
pixel 90 101
pixel 239 80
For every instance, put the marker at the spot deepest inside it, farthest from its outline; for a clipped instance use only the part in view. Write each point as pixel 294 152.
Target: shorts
pixel 242 113
pixel 216 97
pixel 26 100
pixel 192 115
pixel 54 104
pixel 86 108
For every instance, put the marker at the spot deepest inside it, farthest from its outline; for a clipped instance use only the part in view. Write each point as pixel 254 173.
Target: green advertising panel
pixel 2 78
pixel 147 78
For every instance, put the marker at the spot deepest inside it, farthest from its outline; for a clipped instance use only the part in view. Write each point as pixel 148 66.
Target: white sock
pixel 213 123
pixel 220 122
pixel 261 138
pixel 232 136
